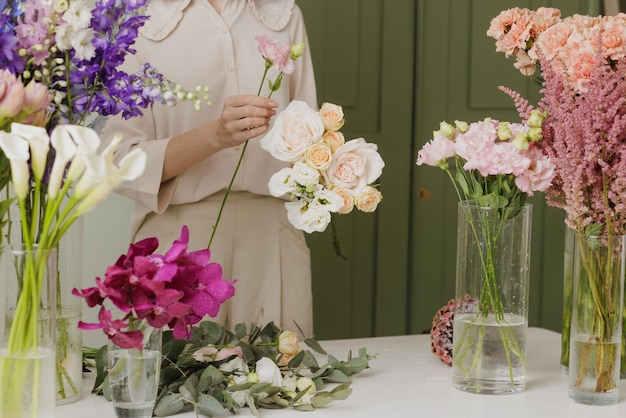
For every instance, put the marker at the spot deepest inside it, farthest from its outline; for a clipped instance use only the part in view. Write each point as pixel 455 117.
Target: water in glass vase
pixel 489 355
pixel 25 384
pixel 133 378
pixel 69 356
pixel 594 376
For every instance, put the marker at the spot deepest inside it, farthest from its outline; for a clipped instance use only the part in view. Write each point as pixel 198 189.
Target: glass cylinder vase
pixel 491 309
pixel 134 375
pixel 27 332
pixel 69 349
pixel 596 326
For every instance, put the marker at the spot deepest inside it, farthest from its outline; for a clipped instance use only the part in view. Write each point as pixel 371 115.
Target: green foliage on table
pixel 188 384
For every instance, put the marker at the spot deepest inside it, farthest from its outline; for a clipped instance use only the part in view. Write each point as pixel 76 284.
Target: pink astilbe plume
pixel 585 137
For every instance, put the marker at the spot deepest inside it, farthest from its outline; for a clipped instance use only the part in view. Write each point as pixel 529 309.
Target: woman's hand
pixel 244 117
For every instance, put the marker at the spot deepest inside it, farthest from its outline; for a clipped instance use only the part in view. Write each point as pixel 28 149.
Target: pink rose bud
pixel 37 97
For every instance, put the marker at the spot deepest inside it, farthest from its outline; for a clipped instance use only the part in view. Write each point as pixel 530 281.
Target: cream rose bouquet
pixel 328 174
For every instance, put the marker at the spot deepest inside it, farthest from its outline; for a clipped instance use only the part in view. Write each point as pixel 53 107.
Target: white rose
pixel 295 129
pixel 268 372
pixel 281 182
pixel 304 174
pixel 355 165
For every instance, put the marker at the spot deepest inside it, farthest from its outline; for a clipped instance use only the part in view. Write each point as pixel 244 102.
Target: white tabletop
pixel 407 380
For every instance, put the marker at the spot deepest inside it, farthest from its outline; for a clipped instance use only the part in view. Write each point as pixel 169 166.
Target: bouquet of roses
pixel 176 289
pixel 328 175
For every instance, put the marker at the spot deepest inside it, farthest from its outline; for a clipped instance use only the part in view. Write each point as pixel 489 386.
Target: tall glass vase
pixel 491 309
pixel 568 282
pixel 69 349
pixel 27 332
pixel 134 375
pixel 596 327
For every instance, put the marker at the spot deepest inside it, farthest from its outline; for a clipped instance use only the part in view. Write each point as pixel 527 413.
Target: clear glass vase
pixel 69 349
pixel 134 375
pixel 596 326
pixel 568 280
pixel 491 308
pixel 27 332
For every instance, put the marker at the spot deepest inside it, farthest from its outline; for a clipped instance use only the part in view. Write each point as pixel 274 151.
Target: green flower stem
pixel 268 65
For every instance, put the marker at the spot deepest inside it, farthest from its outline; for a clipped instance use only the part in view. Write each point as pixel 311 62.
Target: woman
pixel 192 154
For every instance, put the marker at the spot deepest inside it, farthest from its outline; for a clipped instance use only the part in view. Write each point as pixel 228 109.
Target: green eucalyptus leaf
pixel 296 360
pixel 191 384
pixel 210 376
pixel 169 405
pixel 243 386
pixel 321 399
pixel 186 394
pixel 172 348
pixel 208 405
pixel 341 392
pixel 321 371
pixel 358 364
pixel 309 360
pixel 269 333
pixel 304 407
pixel 337 376
pixel 240 331
pixel 315 346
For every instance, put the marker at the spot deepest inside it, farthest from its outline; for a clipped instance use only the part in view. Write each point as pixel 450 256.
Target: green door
pixel 398 68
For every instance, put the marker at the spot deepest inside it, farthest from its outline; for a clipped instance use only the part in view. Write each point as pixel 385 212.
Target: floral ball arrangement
pixel 441 330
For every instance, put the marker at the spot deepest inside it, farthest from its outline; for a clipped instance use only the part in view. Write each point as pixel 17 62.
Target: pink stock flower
pixel 176 289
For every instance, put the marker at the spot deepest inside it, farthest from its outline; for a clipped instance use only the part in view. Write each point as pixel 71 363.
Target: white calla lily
pixel 65 149
pixel 39 143
pixel 102 175
pixel 87 142
pixel 17 151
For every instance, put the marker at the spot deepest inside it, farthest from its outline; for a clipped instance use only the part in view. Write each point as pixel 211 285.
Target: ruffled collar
pixel 165 15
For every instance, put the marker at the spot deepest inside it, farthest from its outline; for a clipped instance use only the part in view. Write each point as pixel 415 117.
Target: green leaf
pixel 191 385
pixel 208 405
pixel 209 377
pixel 240 331
pixel 101 359
pixel 304 407
pixel 337 376
pixel 341 392
pixel 252 405
pixel 269 333
pixel 296 360
pixel 309 360
pixel 169 405
pixel 106 389
pixel 321 399
pixel 172 349
pixel 315 346
pixel 493 201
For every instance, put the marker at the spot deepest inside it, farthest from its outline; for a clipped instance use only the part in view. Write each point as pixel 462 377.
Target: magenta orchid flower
pixel 176 289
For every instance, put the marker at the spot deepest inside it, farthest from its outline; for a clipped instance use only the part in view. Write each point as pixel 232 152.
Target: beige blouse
pixel 189 42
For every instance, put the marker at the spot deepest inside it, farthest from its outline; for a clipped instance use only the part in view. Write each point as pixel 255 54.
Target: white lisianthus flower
pixel 295 129
pixel 239 396
pixel 289 384
pixel 308 217
pixel 235 364
pixel 268 372
pixel 330 199
pixel 281 182
pixel 304 174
